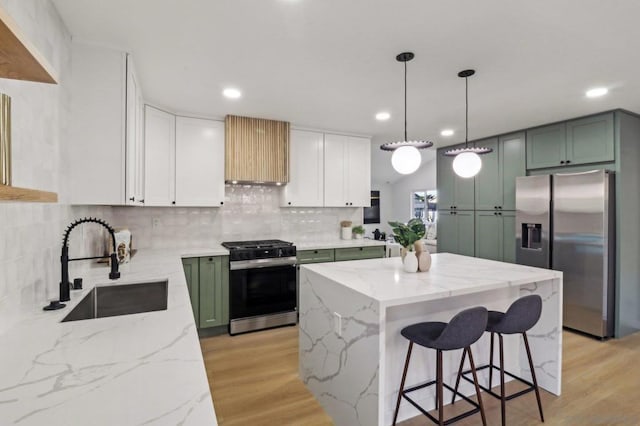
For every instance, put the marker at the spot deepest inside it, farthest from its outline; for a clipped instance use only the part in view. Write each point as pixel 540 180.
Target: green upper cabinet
pixel 489 179
pixel 513 163
pixel 546 146
pixel 582 141
pixel 192 275
pixel 454 192
pixel 495 237
pixel 456 232
pixel 214 291
pixel 590 140
pixel 496 181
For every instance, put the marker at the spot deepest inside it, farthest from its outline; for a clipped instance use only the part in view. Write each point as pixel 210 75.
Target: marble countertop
pixel 127 370
pixel 317 245
pixel 450 275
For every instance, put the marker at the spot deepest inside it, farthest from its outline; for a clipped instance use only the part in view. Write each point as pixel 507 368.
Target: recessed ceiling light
pixel 382 116
pixel 232 93
pixel 597 92
pixel 447 132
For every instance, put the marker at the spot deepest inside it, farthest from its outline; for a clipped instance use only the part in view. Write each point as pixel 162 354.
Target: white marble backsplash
pixel 249 212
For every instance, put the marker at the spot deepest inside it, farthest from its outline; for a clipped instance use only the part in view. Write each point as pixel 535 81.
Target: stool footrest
pixel 530 385
pixel 461 416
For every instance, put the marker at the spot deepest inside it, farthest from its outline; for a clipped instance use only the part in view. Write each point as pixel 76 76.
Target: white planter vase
pixel 410 262
pixel 345 232
pixel 358 236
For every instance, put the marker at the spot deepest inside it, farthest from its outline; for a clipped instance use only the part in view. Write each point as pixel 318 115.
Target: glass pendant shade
pixel 406 160
pixel 467 164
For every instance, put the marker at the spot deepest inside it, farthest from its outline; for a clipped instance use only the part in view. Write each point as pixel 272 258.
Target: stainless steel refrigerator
pixel 566 222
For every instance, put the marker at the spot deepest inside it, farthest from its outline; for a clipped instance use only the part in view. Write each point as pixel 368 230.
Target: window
pixel 424 205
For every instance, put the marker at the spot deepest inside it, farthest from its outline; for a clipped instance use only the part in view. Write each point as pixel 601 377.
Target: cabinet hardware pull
pixel 173 202
pixel 289 203
pixel 568 161
pixel 132 199
pixel 221 203
pixel 562 162
pixel 142 201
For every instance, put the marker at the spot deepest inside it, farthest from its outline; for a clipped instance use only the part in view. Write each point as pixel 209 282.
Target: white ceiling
pixel 330 64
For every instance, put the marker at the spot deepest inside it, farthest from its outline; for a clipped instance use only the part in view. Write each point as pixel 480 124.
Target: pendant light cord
pixel 405 101
pixel 466 112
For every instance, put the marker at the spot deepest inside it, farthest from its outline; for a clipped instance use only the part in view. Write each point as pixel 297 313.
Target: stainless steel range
pixel 262 285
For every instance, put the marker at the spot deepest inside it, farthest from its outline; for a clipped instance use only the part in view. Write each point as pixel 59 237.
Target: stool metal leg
pixel 533 375
pixel 440 389
pixel 491 362
pixel 475 382
pixel 464 354
pixel 404 376
pixel 503 400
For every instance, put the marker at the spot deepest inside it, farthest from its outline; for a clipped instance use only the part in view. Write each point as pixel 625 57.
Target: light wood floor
pixel 254 381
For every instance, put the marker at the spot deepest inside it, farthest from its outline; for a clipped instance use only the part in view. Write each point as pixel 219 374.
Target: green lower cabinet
pixel 456 232
pixel 214 291
pixel 495 235
pixel 358 253
pixel 315 256
pixel 192 274
pixel 208 284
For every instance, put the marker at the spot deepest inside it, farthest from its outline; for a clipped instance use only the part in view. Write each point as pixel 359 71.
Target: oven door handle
pixel 262 263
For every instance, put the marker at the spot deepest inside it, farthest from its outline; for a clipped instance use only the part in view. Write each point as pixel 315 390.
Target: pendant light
pixel 467 162
pixel 406 158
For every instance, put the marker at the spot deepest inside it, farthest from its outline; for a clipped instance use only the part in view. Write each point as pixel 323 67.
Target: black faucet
pixel 65 285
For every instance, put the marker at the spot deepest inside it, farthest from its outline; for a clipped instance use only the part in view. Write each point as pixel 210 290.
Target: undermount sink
pixel 122 299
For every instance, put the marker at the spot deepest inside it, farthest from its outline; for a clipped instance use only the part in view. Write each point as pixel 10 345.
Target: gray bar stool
pixel 464 329
pixel 523 314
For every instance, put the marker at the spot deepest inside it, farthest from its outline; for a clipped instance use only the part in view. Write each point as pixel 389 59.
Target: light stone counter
pixel 353 365
pixel 128 370
pixel 318 245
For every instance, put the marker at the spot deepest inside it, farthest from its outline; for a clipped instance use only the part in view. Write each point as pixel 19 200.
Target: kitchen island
pixel 351 314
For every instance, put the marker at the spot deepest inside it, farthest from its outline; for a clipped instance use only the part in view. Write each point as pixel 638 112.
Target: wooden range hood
pixel 256 150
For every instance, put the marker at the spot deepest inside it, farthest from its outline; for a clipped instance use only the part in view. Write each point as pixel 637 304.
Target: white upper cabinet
pixel 100 99
pixel 199 177
pixel 347 171
pixel 306 170
pixel 159 153
pixel 134 181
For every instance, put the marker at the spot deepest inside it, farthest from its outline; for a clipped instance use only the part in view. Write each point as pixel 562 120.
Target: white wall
pixel 30 233
pixel 423 179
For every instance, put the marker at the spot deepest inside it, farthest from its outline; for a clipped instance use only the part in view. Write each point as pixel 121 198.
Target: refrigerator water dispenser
pixel 532 236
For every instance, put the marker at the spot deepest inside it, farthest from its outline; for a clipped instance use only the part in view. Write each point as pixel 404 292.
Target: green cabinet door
pixel 466 235
pixel 357 253
pixel 455 232
pixel 546 146
pixel 315 256
pixel 445 181
pixel 453 191
pixel 192 275
pixel 509 237
pixel 214 291
pixel 590 140
pixel 447 232
pixel 513 161
pixel 488 235
pixel 489 180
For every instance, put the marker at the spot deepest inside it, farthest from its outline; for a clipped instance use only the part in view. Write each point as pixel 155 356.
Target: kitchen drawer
pixel 356 253
pixel 315 256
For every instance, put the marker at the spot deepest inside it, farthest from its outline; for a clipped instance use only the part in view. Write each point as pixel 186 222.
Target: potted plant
pixel 358 231
pixel 409 236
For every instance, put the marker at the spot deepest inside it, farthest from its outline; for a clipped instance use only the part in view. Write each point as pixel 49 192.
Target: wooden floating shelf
pixel 19 59
pixel 12 193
